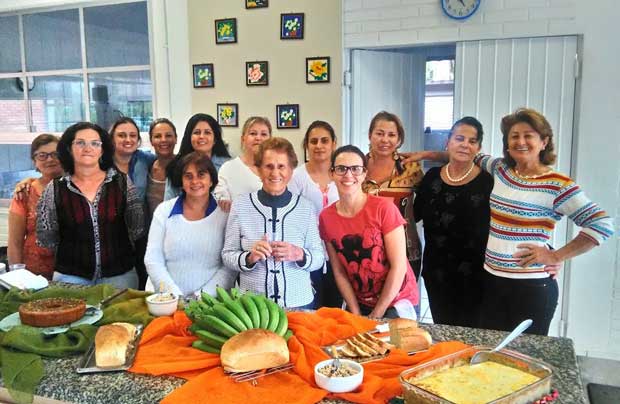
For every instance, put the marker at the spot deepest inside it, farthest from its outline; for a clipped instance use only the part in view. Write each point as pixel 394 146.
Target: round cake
pixel 52 311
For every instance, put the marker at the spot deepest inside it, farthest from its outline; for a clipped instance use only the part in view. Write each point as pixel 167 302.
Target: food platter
pixel 91 316
pixel 338 348
pixel 88 364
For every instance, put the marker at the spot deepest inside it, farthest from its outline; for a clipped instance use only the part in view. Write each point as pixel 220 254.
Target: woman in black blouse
pixel 453 203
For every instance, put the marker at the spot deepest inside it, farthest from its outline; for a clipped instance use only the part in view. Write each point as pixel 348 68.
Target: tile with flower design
pixel 257 73
pixel 226 31
pixel 228 114
pixel 203 75
pixel 256 3
pixel 287 116
pixel 292 26
pixel 317 69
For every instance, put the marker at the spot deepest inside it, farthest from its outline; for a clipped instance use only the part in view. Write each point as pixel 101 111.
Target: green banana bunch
pixel 217 319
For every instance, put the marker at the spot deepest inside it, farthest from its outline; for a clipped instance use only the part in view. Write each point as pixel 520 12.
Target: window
pixel 438 104
pixel 55 81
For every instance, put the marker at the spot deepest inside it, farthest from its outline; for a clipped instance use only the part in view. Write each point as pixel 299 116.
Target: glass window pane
pixel 52 40
pixel 56 102
pixel 9 45
pixel 13 111
pixel 113 95
pixel 117 35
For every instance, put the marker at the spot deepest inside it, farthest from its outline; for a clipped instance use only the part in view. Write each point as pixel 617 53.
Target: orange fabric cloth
pixel 165 348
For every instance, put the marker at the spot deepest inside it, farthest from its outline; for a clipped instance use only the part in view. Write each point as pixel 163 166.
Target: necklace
pixel 529 177
pixel 460 178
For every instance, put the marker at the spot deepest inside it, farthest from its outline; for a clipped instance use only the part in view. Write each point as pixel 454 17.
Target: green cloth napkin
pixel 21 347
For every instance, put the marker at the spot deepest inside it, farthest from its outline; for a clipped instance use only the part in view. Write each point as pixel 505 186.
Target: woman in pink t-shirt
pixel 365 240
pixel 22 212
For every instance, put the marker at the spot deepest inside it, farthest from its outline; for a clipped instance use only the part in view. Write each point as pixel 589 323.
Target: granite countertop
pixel 61 382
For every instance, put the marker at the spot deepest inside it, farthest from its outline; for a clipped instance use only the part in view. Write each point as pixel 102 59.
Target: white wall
pixel 593 311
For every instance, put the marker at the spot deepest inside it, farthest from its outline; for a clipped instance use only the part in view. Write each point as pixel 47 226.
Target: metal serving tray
pixel 88 363
pixel 528 394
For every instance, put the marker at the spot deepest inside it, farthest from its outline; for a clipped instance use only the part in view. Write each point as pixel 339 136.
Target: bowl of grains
pixel 338 376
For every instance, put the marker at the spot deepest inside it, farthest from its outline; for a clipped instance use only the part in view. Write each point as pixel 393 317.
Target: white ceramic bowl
pixel 164 308
pixel 339 384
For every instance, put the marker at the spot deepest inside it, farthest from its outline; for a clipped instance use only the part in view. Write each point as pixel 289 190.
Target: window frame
pixel 27 137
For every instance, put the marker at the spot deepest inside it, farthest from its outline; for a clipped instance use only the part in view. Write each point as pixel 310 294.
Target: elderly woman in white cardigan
pixel 272 236
pixel 187 234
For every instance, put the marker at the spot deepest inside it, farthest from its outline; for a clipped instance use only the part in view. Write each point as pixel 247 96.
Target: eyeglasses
pixel 42 156
pixel 95 144
pixel 355 170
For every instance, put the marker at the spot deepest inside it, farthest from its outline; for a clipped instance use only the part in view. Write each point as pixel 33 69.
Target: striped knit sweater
pixel 286 283
pixel 526 210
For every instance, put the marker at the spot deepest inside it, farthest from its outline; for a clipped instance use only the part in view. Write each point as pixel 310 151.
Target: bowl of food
pixel 338 378
pixel 162 304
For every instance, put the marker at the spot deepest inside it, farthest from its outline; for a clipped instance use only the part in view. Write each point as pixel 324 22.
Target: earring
pixel 395 155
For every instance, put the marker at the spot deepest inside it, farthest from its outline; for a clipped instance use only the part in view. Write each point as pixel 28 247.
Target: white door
pixel 386 80
pixel 495 77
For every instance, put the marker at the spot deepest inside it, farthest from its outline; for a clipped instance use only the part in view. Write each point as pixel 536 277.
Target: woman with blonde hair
pixel 240 175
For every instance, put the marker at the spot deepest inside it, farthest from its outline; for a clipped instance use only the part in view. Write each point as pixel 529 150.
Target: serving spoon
pixel 483 356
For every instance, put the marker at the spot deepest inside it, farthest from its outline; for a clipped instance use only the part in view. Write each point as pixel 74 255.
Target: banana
pixel 251 309
pixel 200 344
pixel 210 338
pixel 282 322
pixel 222 294
pixel 234 293
pixel 261 305
pixel 274 315
pixel 228 316
pixel 236 307
pixel 193 328
pixel 219 326
pixel 208 299
pixel 288 334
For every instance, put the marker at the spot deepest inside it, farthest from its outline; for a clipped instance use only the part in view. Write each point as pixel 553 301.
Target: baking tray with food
pixel 376 345
pixel 112 350
pixel 507 377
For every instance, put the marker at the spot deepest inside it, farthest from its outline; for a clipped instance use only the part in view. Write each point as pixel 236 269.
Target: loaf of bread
pixel 411 339
pixel 111 344
pixel 399 323
pixel 252 350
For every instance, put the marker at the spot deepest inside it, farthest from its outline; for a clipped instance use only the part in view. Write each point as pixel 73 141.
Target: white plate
pixel 91 316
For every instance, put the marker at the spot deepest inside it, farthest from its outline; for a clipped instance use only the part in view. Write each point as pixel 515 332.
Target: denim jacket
pixel 139 167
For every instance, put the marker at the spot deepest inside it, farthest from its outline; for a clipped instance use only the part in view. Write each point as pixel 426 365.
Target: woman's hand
pixel 224 204
pixel 22 188
pixel 553 270
pixel 261 250
pixel 284 251
pixel 534 254
pixel 376 314
pixel 411 157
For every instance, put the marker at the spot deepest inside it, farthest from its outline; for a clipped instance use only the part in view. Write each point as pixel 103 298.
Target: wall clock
pixel 460 9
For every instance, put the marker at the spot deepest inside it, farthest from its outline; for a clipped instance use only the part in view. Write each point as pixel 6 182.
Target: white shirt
pixel 235 178
pixel 304 185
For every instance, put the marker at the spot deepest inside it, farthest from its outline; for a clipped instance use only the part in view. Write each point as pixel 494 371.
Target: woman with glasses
pixel 389 176
pixel 22 213
pixel 365 239
pixel 313 181
pixel 92 216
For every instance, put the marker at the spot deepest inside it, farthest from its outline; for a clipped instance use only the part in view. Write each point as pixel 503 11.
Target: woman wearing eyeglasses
pixel 92 216
pixel 22 212
pixel 365 239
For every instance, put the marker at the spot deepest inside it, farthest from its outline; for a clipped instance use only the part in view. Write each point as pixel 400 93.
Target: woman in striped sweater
pixel 527 200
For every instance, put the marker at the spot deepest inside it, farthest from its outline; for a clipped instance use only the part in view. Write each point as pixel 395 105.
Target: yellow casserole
pixel 475 384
